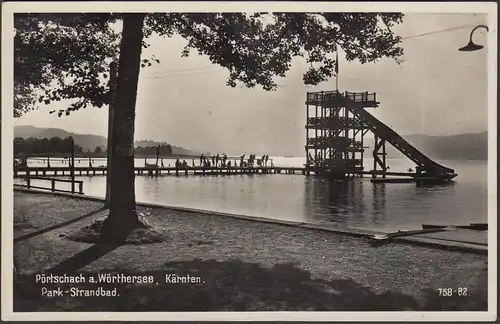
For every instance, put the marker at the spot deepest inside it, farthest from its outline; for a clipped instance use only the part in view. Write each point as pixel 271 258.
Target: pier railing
pixel 361 97
pixel 324 96
pixel 28 184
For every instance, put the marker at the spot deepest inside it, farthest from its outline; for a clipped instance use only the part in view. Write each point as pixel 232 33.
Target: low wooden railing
pixel 52 188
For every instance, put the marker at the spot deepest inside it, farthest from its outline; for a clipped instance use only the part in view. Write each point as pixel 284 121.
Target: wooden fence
pixel 52 188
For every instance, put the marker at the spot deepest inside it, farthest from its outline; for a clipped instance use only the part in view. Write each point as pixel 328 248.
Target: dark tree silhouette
pixel 152 150
pixel 43 146
pixel 67 56
pixel 168 149
pixel 98 149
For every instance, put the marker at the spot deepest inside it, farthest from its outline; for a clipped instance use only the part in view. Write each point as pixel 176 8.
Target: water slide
pixel 389 135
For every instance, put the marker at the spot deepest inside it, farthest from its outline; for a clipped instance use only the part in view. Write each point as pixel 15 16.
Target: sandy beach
pixel 240 265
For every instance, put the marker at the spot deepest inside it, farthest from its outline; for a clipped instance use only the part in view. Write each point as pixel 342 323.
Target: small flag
pixel 336 62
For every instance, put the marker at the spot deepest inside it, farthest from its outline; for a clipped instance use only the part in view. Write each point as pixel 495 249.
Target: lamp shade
pixel 470 47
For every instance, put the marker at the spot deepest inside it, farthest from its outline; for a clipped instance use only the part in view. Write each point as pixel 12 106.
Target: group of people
pixel 223 161
pixel 252 160
pixel 215 160
pixel 181 165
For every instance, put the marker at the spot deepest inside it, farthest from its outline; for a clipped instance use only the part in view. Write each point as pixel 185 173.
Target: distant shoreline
pixel 103 156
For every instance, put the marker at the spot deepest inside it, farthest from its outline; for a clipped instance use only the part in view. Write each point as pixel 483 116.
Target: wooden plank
pixel 52 179
pixel 43 188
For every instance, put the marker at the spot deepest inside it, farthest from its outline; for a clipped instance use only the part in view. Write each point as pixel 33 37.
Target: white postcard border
pixel 9 8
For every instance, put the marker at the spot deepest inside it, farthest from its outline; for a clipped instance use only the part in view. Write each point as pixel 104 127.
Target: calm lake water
pixel 352 204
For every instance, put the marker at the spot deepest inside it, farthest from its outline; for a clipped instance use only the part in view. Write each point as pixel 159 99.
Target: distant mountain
pixel 471 146
pixel 87 141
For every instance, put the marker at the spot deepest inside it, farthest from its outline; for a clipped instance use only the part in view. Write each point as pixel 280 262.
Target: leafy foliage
pixel 63 56
pixel 67 56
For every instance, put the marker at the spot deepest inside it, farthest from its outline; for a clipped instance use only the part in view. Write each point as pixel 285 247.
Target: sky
pixel 436 91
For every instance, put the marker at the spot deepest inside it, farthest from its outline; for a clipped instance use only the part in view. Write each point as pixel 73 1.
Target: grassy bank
pixel 243 265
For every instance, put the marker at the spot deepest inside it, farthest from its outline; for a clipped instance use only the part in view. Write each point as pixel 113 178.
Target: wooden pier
pixel 149 171
pixel 25 171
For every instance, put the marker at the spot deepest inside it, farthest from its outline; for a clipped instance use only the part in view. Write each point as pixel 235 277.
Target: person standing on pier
pixel 217 157
pixel 202 159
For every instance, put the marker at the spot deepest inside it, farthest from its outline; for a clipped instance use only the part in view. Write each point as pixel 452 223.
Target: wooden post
pixel 72 170
pixel 113 71
pixel 384 160
pixel 157 154
pixel 80 187
pixel 90 162
pixel 28 182
pixel 375 158
pixel 53 185
pixel 48 162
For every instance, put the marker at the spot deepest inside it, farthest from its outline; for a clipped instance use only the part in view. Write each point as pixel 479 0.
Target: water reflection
pixel 378 201
pixel 336 201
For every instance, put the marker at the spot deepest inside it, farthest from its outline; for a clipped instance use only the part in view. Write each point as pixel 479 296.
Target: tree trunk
pixel 122 212
pixel 113 71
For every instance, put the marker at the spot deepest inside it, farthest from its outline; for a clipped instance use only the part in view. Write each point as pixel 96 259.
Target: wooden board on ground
pixel 461 235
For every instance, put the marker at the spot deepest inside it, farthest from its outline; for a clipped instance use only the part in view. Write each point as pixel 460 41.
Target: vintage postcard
pixel 218 161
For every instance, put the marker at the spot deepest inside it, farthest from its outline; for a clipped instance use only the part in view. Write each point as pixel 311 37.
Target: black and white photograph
pixel 249 160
